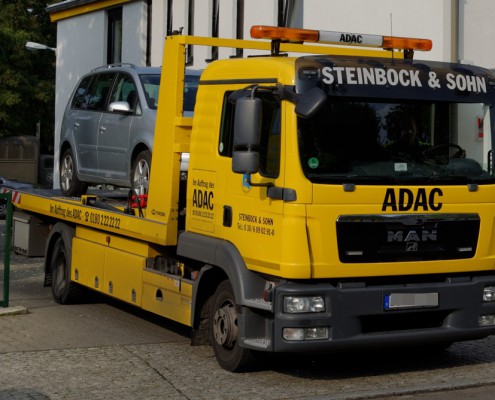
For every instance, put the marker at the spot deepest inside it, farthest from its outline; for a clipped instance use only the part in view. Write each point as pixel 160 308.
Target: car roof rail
pixel 109 66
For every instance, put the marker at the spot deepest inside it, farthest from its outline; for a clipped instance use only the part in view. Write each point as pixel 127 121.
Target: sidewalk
pixel 107 350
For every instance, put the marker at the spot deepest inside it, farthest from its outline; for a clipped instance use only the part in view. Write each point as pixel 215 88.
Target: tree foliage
pixel 27 79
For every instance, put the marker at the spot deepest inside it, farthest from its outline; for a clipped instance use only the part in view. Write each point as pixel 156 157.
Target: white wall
pixel 79 49
pixel 477 32
pixel 134 33
pixel 82 46
pixel 158 31
pixel 417 18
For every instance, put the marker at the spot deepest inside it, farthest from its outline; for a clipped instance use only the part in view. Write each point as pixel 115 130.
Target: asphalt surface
pixel 106 350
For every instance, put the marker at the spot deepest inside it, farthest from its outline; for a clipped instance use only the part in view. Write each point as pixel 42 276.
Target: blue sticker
pixel 245 182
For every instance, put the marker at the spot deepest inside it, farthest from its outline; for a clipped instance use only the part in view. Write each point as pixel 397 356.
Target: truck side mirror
pixel 247 134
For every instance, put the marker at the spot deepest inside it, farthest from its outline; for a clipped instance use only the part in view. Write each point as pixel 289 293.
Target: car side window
pixel 82 93
pixel 125 90
pixel 100 87
pixel 151 88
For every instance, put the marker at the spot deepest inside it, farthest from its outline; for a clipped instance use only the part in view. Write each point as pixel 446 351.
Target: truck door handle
pixel 103 129
pixel 76 124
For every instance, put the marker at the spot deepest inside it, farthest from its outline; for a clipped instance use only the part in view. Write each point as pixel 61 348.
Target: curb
pixel 17 310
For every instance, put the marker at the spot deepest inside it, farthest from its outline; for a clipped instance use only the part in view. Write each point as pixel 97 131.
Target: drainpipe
pixel 148 32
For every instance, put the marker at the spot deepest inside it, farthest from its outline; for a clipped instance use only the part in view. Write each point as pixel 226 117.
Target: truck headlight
pixel 304 304
pixel 489 293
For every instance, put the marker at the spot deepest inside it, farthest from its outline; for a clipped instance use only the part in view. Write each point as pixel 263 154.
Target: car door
pixel 88 106
pixel 114 128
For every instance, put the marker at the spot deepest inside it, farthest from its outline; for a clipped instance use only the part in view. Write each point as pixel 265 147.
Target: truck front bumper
pixel 359 315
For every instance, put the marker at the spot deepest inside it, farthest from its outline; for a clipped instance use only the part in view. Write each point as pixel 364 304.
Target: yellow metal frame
pixel 173 131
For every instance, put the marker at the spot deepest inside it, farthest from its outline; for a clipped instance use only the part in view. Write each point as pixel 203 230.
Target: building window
pixel 285 12
pixel 239 26
pixel 190 31
pixel 215 15
pixel 114 45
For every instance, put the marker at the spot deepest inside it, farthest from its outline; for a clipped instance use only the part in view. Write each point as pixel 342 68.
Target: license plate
pixel 397 301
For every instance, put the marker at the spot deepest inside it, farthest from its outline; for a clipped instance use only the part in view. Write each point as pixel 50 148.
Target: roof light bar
pixel 340 38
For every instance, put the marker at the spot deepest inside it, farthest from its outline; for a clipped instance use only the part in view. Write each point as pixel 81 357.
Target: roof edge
pixel 72 8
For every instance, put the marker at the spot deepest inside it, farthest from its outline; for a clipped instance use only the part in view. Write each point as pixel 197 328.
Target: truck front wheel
pixel 63 289
pixel 224 327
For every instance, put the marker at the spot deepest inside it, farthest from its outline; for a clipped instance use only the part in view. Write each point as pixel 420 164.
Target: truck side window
pixel 270 133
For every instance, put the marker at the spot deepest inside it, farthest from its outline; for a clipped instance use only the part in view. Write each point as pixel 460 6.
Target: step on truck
pixel 338 197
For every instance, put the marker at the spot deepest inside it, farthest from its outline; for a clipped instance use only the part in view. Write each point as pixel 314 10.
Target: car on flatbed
pixel 108 127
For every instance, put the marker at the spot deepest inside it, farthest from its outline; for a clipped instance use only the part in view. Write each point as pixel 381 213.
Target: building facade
pixel 91 33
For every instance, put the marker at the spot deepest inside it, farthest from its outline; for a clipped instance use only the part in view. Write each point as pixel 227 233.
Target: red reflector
pixel 142 198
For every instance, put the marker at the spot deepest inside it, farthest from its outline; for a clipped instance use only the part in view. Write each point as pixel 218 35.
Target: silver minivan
pixel 108 127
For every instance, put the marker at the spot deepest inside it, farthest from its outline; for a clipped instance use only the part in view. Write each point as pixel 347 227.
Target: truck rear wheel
pixel 63 289
pixel 224 331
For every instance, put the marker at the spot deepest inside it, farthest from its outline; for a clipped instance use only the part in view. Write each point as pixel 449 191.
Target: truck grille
pixel 401 237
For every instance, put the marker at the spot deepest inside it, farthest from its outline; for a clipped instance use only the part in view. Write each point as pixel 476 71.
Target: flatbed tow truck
pixel 304 224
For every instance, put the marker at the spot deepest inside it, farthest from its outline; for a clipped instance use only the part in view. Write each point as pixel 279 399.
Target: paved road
pixel 105 350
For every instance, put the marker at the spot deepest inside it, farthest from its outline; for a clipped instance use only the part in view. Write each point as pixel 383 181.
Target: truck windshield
pixel 375 141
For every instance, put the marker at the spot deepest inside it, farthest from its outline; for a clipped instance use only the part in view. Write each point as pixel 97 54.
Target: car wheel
pixel 140 174
pixel 70 185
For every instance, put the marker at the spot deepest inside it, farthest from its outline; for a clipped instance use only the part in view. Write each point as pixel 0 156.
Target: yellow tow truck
pixel 333 201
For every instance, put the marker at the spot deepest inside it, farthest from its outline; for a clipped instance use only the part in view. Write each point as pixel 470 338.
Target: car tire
pixel 70 185
pixel 140 173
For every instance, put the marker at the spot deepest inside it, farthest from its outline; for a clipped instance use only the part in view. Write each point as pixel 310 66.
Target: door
pixel 114 131
pixel 86 120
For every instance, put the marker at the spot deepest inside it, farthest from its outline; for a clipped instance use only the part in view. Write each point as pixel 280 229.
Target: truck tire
pixel 140 174
pixel 64 291
pixel 224 331
pixel 70 185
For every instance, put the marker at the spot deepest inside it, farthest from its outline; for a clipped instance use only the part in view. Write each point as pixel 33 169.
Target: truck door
pixel 256 219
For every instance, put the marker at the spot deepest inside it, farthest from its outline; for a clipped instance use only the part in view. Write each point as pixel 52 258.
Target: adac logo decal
pixel 408 200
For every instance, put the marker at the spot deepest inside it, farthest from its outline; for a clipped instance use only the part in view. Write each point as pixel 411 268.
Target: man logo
pixel 412 246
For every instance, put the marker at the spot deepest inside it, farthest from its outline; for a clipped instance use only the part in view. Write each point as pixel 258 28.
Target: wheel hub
pixel 225 326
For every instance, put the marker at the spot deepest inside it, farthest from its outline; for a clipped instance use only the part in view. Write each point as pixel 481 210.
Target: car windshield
pixel 376 141
pixel 151 87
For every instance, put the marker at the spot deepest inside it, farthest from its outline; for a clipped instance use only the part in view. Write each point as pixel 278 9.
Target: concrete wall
pixel 477 32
